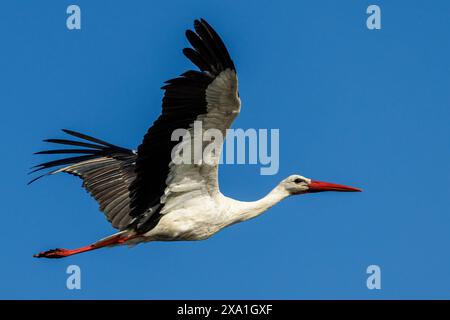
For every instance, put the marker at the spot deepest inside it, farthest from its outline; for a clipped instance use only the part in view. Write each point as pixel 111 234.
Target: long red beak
pixel 319 186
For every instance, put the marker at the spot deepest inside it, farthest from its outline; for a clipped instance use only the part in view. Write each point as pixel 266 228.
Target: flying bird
pixel 143 193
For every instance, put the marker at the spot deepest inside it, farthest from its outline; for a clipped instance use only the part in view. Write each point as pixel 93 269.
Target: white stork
pixel 143 193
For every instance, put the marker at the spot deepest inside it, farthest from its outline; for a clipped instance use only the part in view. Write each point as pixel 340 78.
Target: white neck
pixel 242 211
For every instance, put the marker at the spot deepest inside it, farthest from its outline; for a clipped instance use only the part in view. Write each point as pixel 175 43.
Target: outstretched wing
pixel 209 96
pixel 106 170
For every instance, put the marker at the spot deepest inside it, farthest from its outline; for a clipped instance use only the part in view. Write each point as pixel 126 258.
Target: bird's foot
pixel 54 253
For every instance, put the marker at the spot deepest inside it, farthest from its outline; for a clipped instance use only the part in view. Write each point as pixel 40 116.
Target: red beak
pixel 319 186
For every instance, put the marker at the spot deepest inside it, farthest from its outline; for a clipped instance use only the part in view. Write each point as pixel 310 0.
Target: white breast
pixel 198 219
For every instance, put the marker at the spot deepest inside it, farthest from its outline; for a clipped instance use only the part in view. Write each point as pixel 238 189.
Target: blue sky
pixel 354 106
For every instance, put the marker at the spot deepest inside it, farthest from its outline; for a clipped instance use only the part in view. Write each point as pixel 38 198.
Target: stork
pixel 143 193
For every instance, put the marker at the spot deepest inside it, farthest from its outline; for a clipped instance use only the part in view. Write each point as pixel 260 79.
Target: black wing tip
pixel 214 42
pixel 203 22
pixel 189 33
pixel 87 142
pixel 92 149
pixel 73 133
pixel 35 179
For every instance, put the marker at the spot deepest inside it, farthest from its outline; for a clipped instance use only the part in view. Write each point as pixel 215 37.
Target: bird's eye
pixel 299 180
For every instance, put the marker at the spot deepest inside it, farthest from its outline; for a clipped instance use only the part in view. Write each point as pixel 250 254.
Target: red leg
pixel 62 253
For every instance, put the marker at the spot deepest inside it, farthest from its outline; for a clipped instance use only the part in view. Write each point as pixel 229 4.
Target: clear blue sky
pixel 365 108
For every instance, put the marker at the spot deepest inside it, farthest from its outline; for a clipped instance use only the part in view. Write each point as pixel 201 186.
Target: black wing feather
pixel 73 143
pixel 89 138
pixel 197 59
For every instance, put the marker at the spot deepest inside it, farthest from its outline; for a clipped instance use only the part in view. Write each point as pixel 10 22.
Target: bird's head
pixel 297 184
